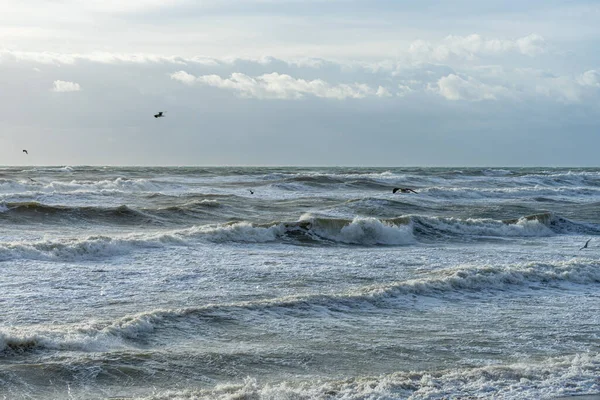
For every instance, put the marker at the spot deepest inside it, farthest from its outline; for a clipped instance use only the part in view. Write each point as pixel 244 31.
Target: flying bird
pixel 403 190
pixel 585 245
pixel 160 114
pixel 25 151
pixel 251 191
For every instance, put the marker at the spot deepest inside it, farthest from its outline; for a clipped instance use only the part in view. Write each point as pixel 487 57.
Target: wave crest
pixel 459 281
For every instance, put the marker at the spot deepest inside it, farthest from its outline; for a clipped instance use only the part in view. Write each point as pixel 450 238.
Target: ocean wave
pixel 497 172
pixel 360 230
pixel 364 231
pixel 526 192
pixel 538 225
pixel 33 208
pixel 549 378
pixel 26 211
pixel 89 248
pixel 127 185
pixel 463 280
pixel 455 281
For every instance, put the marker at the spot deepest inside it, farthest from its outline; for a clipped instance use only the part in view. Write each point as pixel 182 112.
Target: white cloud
pixel 51 58
pixel 254 77
pixel 184 77
pixel 65 86
pixel 383 92
pixel 590 78
pixel 569 89
pixel 281 86
pixel 472 46
pixel 531 45
pixel 453 87
pixel 403 90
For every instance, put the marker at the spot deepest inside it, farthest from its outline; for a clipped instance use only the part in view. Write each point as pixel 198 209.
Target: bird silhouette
pixel 160 114
pixel 585 245
pixel 251 191
pixel 25 151
pixel 403 190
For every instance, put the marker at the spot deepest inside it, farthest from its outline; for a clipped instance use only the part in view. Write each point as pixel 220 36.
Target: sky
pixel 300 82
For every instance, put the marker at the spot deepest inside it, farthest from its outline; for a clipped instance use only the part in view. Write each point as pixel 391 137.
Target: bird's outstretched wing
pixel 410 190
pixel 395 190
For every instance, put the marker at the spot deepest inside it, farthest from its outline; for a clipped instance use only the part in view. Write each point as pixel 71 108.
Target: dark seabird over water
pixel 160 114
pixel 585 245
pixel 25 151
pixel 403 190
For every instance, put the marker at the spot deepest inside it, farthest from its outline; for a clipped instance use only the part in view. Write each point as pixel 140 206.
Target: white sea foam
pixel 364 231
pixel 472 193
pixel 480 278
pixel 239 232
pixel 497 172
pixel 91 247
pixel 22 340
pixel 523 227
pixel 83 186
pixel 546 379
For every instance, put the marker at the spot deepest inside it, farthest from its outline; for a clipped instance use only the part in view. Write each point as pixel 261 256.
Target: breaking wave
pixel 308 229
pixel 463 280
pixel 548 378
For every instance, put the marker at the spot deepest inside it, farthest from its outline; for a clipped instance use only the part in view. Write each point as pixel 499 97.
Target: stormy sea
pixel 299 283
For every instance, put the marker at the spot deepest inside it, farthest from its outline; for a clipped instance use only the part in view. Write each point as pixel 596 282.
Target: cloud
pixel 472 46
pixel 383 92
pixel 184 77
pixel 531 45
pixel 52 58
pixel 404 90
pixel 453 87
pixel 281 86
pixel 590 78
pixel 65 86
pixel 269 77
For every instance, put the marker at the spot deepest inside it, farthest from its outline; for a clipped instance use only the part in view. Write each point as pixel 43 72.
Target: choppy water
pixel 178 283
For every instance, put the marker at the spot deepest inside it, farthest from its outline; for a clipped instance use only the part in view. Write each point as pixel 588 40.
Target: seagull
pixel 25 151
pixel 403 190
pixel 160 114
pixel 585 245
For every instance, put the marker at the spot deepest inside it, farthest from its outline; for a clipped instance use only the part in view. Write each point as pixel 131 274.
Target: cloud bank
pixel 281 86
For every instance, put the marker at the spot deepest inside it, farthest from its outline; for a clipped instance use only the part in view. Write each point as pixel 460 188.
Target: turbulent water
pixel 178 283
